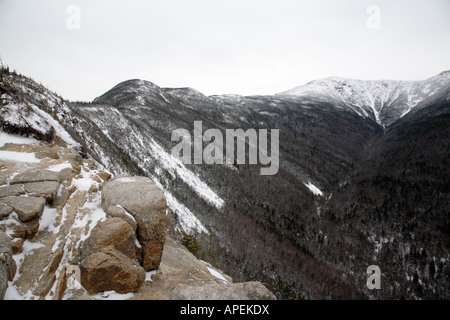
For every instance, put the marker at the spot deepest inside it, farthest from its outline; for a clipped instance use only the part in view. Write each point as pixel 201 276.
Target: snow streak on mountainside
pixel 384 101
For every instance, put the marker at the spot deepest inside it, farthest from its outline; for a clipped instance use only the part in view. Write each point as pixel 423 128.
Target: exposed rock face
pixel 46 189
pixel 233 291
pixel 7 264
pixel 35 176
pixel 118 212
pixel 178 266
pixel 146 203
pixel 110 269
pixel 11 191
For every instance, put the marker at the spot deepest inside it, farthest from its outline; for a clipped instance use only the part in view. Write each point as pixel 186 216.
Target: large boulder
pixel 146 203
pixel 27 208
pixel 225 291
pixel 114 233
pixel 7 264
pixel 109 269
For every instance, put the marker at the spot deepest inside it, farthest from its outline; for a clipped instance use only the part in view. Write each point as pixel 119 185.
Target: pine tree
pixel 191 242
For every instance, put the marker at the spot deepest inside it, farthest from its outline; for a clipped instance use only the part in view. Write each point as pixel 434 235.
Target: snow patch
pixel 214 272
pixel 217 275
pixel 126 179
pixel 18 156
pixel 16 139
pixel 316 191
pixel 148 275
pixel 48 220
pixel 85 182
pixel 60 167
pixel 113 295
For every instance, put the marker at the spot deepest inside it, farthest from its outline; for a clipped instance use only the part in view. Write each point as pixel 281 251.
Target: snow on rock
pixel 60 230
pixel 126 180
pixel 18 156
pixel 59 167
pixel 217 274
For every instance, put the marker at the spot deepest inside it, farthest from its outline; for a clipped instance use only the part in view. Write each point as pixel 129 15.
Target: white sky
pixel 218 47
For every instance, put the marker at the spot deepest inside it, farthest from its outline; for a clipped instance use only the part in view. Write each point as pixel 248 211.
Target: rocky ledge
pixel 71 231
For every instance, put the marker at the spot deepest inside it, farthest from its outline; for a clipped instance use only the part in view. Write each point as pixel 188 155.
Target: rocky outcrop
pixel 26 194
pixel 141 198
pixel 28 211
pixel 178 266
pixel 35 176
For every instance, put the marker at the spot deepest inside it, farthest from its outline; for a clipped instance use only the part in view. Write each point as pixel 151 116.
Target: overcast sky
pixel 219 47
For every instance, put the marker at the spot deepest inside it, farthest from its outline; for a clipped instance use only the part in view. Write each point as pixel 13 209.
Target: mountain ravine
pixel 363 177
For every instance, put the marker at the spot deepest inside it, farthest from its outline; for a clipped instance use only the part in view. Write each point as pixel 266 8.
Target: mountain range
pixel 363 177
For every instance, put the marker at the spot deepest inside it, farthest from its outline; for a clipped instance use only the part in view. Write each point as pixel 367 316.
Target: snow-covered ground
pixel 13 138
pixel 51 222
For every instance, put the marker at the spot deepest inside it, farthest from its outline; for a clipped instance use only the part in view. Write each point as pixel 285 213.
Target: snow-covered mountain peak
pixel 384 101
